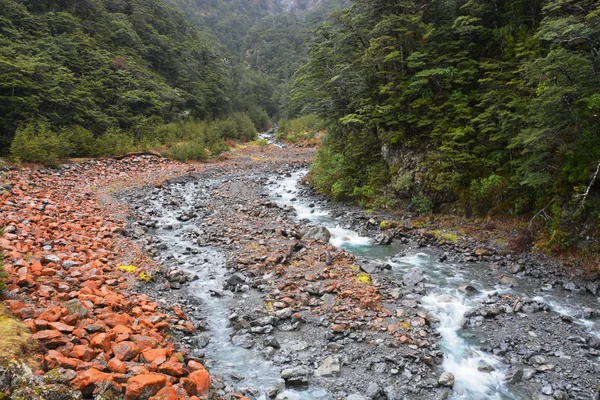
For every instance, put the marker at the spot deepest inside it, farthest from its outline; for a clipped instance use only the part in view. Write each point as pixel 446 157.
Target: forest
pixel 475 107
pixel 472 107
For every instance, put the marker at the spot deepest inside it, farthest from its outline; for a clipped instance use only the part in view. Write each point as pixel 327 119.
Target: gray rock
pixel 514 375
pixel 413 277
pixel 330 367
pixel 547 390
pixel 50 259
pixel 373 390
pixel 236 279
pixel 384 239
pixel 446 379
pixel 318 233
pixel 74 306
pixel 570 286
pixel 356 397
pixel 467 289
pixel 69 263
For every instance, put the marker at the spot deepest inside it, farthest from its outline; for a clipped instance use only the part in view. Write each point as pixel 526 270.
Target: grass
pixel 16 337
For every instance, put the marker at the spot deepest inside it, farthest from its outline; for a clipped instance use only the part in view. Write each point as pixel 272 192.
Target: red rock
pixel 194 365
pixel 179 312
pixel 50 339
pixel 197 383
pixel 89 380
pixel 115 319
pixel 172 368
pixel 52 314
pixel 156 356
pixel 83 353
pixel 166 393
pixel 144 386
pixel 59 326
pixel 101 341
pixel 117 366
pixel 56 360
pixel 125 351
pixel 138 370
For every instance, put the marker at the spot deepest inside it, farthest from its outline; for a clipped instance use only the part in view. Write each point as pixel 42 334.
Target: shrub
pixel 76 141
pixel 35 142
pixel 422 204
pixel 114 142
pixel 186 151
pixel 299 129
pixel 245 128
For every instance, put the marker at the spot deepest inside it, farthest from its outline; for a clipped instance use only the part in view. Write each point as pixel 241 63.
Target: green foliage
pixel 35 142
pixel 500 100
pixel 186 151
pixel 259 118
pixel 421 204
pixel 100 64
pixel 76 141
pixel 303 128
pixel 114 142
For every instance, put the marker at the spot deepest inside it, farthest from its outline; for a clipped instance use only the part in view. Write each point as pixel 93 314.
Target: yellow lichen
pixel 127 268
pixel 144 277
pixel 364 278
pixel 354 268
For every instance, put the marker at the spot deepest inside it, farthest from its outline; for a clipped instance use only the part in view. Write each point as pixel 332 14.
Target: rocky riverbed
pixel 276 291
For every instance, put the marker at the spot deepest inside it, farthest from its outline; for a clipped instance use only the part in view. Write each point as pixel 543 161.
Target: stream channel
pixel 444 301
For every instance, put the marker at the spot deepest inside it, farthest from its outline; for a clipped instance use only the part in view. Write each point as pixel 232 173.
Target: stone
pixel 89 380
pixel 166 393
pixel 514 375
pixel 125 351
pixel 117 366
pixel 446 379
pixel 197 383
pixel 144 386
pixel 318 233
pixel 330 367
pixel 413 277
pixel 74 306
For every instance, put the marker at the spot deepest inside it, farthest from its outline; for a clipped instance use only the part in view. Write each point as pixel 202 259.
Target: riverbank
pixel 228 278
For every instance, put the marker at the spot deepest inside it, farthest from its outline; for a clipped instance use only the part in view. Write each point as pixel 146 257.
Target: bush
pixel 76 141
pixel 186 151
pixel 114 142
pixel 35 142
pixel 299 129
pixel 422 205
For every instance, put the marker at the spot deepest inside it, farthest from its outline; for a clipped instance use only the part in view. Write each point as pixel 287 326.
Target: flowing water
pixel 223 358
pixel 462 356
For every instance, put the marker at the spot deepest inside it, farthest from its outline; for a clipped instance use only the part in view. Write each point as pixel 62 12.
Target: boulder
pixel 446 379
pixel 144 386
pixel 413 277
pixel 330 367
pixel 318 233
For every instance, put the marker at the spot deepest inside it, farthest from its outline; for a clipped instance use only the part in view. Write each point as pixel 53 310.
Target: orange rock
pixel 172 368
pixel 101 341
pixel 197 383
pixel 56 360
pixel 50 338
pixel 117 366
pixel 144 386
pixel 89 380
pixel 156 356
pixel 83 353
pixel 59 326
pixel 125 351
pixel 179 312
pixel 115 319
pixel 194 365
pixel 166 393
pixel 52 314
